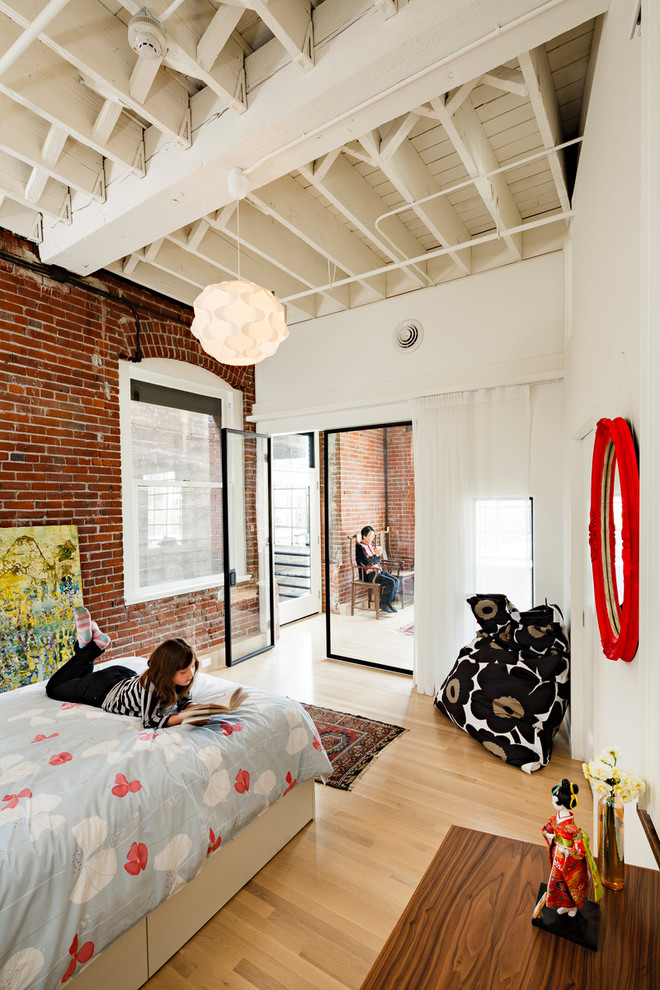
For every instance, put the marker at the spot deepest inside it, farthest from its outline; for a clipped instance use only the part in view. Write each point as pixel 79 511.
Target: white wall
pixel 603 361
pixel 500 327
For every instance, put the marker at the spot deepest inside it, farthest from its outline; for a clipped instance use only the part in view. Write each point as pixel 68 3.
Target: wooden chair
pixel 361 589
pixel 402 568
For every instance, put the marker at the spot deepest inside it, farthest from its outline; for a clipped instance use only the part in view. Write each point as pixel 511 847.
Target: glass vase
pixel 611 865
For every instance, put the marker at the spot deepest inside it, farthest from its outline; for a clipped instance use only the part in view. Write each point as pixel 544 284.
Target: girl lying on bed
pixel 157 696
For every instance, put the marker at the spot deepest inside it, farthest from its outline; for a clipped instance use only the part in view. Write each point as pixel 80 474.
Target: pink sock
pixel 102 640
pixel 83 625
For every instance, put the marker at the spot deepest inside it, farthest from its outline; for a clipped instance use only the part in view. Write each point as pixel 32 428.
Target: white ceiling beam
pixel 349 192
pixel 35 185
pixel 28 137
pixel 53 145
pixel 94 42
pixel 291 23
pixel 150 277
pixel 396 133
pixel 466 133
pixel 222 253
pixel 217 34
pixel 368 75
pixel 105 121
pixel 20 219
pixel 53 199
pixel 458 96
pixel 408 173
pixel 51 88
pixel 538 77
pixel 507 79
pixel 225 78
pixel 263 235
pixel 296 209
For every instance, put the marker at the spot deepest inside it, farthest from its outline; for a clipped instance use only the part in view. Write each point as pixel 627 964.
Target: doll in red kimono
pixel 571 860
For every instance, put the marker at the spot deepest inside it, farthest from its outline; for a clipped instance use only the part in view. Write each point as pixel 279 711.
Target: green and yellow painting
pixel 40 583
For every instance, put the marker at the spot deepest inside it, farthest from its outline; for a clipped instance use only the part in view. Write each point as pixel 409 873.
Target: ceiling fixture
pixel 146 35
pixel 408 335
pixel 238 322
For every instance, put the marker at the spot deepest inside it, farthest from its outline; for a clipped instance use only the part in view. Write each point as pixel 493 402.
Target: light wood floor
pixel 317 915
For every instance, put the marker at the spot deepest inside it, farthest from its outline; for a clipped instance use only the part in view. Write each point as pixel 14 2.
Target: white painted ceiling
pixel 387 144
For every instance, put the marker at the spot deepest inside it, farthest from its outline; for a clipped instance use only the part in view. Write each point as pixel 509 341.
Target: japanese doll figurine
pixel 571 861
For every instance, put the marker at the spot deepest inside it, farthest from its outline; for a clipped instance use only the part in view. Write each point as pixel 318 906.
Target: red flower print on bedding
pixel 291 781
pixel 79 955
pixel 59 758
pixel 242 781
pixel 40 737
pixel 317 744
pixel 123 787
pixel 213 842
pixel 136 859
pixel 13 798
pixel 229 727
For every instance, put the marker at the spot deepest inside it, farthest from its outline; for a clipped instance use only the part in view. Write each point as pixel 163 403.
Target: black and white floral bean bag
pixel 510 687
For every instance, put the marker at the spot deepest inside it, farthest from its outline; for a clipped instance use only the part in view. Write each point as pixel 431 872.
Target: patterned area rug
pixel 351 742
pixel 408 630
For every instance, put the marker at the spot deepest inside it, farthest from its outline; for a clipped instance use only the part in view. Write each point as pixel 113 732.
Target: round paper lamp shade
pixel 238 322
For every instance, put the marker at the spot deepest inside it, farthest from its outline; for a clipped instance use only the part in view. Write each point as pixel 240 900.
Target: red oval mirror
pixel 614 538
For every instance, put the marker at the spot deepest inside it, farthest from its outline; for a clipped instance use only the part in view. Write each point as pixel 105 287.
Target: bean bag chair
pixel 509 687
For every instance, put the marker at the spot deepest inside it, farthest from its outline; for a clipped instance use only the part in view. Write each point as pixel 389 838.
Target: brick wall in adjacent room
pixel 60 448
pixel 400 493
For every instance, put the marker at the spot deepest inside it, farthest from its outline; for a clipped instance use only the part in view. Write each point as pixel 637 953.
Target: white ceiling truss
pixel 388 144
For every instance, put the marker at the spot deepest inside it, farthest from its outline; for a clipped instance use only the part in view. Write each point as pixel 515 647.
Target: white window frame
pixel 185 378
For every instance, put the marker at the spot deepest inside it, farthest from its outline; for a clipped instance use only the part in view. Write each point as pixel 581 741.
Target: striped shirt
pixel 128 697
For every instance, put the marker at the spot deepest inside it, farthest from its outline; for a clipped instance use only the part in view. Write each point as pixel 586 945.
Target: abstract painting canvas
pixel 40 582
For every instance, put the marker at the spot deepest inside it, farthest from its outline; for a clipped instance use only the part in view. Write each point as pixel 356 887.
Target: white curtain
pixel 466 445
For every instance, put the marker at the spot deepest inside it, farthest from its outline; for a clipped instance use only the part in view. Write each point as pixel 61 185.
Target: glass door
pixel 369 483
pixel 248 575
pixel 296 537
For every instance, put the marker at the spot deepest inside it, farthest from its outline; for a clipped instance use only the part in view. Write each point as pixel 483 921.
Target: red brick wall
pixel 400 493
pixel 59 431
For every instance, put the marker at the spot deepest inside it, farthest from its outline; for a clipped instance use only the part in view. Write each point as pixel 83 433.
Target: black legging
pixel 390 587
pixel 79 682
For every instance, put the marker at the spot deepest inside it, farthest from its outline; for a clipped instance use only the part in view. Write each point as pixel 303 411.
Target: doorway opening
pixel 296 525
pixel 369 481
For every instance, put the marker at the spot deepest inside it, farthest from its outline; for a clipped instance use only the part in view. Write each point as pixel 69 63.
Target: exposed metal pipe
pixel 436 253
pixel 31 33
pixel 472 181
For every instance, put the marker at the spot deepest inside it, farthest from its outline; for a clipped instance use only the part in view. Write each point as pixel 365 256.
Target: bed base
pixel 140 952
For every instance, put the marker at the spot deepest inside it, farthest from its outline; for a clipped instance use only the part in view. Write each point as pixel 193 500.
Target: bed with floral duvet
pixel 101 820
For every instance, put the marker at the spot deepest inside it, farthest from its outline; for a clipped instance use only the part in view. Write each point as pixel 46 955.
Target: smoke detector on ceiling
pixel 408 335
pixel 146 35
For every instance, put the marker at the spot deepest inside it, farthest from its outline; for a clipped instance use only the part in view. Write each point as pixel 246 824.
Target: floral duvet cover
pixel 101 820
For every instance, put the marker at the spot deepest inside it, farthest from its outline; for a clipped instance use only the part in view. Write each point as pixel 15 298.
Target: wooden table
pixel 468 925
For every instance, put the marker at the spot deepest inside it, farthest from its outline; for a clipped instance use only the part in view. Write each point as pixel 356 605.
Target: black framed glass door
pixel 369 481
pixel 247 525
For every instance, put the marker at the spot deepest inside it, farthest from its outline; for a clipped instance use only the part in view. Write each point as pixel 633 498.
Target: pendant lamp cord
pixel 238 235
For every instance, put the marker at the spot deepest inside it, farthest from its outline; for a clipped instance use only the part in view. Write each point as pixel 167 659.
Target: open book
pixel 212 709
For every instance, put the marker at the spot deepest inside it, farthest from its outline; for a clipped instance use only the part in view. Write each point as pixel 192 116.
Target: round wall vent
pixel 408 335
pixel 146 35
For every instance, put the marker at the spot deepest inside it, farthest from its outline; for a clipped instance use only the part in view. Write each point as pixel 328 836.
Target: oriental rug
pixel 351 742
pixel 408 630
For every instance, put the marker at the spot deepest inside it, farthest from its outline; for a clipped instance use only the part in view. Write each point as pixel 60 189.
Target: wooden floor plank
pixel 318 914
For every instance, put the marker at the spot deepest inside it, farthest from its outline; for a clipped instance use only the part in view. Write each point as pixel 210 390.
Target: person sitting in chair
pixel 370 561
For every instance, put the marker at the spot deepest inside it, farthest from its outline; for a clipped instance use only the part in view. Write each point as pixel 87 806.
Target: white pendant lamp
pixel 238 322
